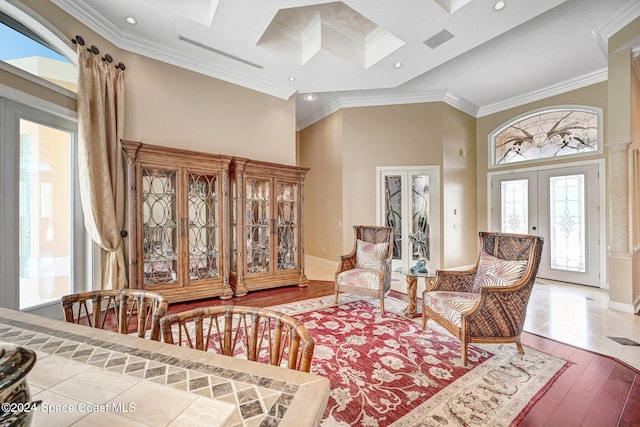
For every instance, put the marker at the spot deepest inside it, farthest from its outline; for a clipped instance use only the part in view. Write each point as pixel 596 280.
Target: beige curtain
pixel 101 161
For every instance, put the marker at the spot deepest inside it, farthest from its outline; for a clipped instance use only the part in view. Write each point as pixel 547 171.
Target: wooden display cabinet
pixel 178 222
pixel 267 247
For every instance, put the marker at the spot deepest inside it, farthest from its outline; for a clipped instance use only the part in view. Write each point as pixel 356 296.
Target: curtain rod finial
pixel 78 40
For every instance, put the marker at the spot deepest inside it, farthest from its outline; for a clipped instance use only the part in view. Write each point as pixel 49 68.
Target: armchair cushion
pixel 371 256
pixel 451 305
pixel 360 278
pixel 494 271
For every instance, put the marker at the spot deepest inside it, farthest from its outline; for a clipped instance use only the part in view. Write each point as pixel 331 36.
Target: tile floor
pixel 572 314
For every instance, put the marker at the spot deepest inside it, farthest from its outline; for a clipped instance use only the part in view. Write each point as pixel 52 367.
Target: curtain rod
pixel 93 49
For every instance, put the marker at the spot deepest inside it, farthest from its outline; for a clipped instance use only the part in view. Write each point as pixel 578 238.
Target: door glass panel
pixel 393 211
pixel 514 198
pixel 287 226
pixel 420 217
pixel 567 219
pixel 258 219
pixel 203 226
pixel 159 226
pixel 45 230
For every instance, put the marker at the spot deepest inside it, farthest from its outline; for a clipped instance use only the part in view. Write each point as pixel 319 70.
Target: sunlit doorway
pixel 42 252
pixel 45 213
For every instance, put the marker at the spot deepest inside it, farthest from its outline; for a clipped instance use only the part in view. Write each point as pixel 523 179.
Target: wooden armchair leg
pixel 335 301
pixel 463 353
pixel 520 348
pixel 424 320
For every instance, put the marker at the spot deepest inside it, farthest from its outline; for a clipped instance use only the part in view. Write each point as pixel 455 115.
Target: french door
pixel 42 249
pixel 409 201
pixel 562 206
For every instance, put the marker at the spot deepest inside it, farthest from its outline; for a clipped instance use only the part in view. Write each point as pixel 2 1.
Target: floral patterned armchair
pixel 367 269
pixel 488 303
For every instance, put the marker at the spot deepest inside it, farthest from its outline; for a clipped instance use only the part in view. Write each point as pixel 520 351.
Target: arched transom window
pixel 548 133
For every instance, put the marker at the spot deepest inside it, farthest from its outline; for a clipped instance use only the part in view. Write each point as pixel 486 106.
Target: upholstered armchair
pixel 487 303
pixel 367 269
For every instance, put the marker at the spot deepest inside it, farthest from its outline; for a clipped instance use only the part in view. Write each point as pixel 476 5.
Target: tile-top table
pixel 92 377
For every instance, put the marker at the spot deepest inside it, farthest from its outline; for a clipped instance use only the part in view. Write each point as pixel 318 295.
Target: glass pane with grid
pixel 203 226
pixel 515 206
pixel 567 218
pixel 287 225
pixel 258 225
pixel 160 239
pixel 393 211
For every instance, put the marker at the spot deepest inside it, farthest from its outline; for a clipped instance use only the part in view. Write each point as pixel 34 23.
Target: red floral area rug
pixel 386 371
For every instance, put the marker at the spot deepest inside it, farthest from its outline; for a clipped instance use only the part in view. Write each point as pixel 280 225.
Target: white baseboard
pixel 625 308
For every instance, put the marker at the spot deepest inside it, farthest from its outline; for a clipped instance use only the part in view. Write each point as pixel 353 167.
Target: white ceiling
pixel 344 52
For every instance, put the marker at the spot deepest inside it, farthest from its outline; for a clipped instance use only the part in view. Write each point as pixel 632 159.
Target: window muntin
pixel 547 134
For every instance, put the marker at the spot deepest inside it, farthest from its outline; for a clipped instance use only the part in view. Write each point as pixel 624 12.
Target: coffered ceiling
pixel 372 52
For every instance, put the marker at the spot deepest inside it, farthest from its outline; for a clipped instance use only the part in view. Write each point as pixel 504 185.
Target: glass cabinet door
pixel 287 225
pixel 160 241
pixel 203 226
pixel 258 256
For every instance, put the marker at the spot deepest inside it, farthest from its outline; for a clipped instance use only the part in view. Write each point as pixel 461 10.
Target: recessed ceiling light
pixel 292 79
pixel 397 65
pixel 131 20
pixel 310 97
pixel 499 5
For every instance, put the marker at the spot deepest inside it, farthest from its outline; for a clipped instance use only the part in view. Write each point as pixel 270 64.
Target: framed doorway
pixel 408 199
pixel 561 204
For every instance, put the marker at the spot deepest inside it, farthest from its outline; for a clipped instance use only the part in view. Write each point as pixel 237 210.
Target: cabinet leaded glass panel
pixel 258 225
pixel 547 134
pixel 203 226
pixel 159 226
pixel 287 225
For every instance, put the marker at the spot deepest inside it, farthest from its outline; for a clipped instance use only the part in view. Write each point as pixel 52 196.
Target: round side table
pixel 412 287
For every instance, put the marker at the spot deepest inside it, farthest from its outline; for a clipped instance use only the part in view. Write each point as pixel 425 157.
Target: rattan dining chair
pixel 119 309
pixel 487 303
pixel 366 270
pixel 257 334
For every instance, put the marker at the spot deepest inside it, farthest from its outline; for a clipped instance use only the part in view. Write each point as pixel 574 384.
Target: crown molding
pixel 556 89
pixel 625 15
pixel 122 40
pixel 376 100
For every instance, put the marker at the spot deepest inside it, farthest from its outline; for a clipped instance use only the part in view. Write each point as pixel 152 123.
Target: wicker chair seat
pixel 360 278
pixel 488 302
pixel 366 270
pixel 451 305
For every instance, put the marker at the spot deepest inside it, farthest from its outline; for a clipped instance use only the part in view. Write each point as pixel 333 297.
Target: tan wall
pixel 635 190
pixel 395 135
pixel 361 139
pixel 459 207
pixel 594 95
pixel 168 105
pixel 321 150
pixel 171 106
pixel 622 128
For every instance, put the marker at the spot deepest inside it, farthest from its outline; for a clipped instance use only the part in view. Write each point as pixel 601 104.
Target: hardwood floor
pixel 594 391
